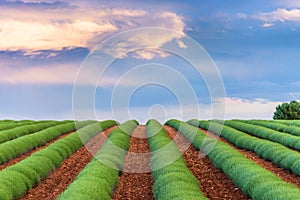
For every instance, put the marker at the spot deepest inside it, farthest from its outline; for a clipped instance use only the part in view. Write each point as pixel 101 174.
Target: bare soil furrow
pixel 61 178
pixel 213 182
pixel 282 173
pixel 136 181
pixel 28 153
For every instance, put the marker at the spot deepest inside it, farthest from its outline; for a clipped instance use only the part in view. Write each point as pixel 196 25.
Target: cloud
pixel 280 14
pixel 34 1
pixel 288 3
pixel 236 108
pixel 147 40
pixel 73 26
pixel 267 25
pixel 53 74
pixel 39 75
pixel 149 54
pixel 181 44
pixel 242 15
pixel 295 95
pixel 33 36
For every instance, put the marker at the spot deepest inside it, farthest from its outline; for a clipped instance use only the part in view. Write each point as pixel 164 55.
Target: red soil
pixel 61 178
pixel 284 174
pixel 214 184
pixel 28 153
pixel 136 181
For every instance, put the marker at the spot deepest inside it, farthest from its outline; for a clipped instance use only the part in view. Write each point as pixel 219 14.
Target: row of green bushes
pixel 100 177
pixel 271 151
pixel 10 125
pixel 293 130
pixel 21 177
pixel 13 133
pixel 7 121
pixel 288 122
pixel 13 148
pixel 15 121
pixel 288 140
pixel 251 178
pixel 173 180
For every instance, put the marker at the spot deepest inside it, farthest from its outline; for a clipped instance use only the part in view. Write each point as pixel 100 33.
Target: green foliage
pixel 291 129
pixel 173 180
pixel 7 121
pixel 266 133
pixel 16 147
pixel 5 193
pixel 287 111
pixel 287 122
pixel 13 133
pixel 99 178
pixel 247 175
pixel 21 177
pixel 10 125
pixel 277 153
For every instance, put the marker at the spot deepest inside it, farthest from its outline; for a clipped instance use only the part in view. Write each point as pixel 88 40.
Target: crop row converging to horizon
pixel 32 151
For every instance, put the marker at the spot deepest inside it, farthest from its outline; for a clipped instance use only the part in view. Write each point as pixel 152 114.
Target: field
pixel 251 159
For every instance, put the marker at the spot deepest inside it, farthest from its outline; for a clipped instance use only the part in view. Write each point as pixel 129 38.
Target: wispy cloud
pixel 242 15
pixel 39 75
pixel 54 74
pixel 67 27
pixel 149 54
pixel 267 25
pixel 236 108
pixel 280 14
pixel 239 108
pixel 181 44
pixel 288 3
pixel 34 1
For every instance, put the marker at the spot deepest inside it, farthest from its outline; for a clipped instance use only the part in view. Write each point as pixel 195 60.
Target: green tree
pixel 287 111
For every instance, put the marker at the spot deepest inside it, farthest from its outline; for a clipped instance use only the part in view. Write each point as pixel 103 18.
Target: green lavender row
pixel 288 140
pixel 99 178
pixel 293 130
pixel 251 178
pixel 15 121
pixel 13 133
pixel 173 180
pixel 10 125
pixel 8 121
pixel 21 177
pixel 272 151
pixel 13 148
pixel 288 122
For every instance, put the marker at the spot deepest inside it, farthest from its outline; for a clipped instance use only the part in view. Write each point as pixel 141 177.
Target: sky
pixel 46 45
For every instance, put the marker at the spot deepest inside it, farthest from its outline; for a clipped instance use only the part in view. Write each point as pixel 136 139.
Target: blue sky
pixel 254 44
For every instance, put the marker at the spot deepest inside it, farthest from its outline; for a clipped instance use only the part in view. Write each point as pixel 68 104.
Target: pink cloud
pixel 55 29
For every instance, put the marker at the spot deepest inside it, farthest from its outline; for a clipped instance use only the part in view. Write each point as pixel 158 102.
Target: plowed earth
pixel 58 180
pixel 28 153
pixel 284 174
pixel 136 181
pixel 214 184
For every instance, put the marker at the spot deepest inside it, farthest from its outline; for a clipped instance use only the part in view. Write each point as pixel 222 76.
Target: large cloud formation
pixel 36 28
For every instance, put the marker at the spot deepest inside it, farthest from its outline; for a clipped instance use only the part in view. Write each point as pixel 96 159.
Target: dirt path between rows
pixel 282 173
pixel 214 184
pixel 59 180
pixel 134 183
pixel 28 153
